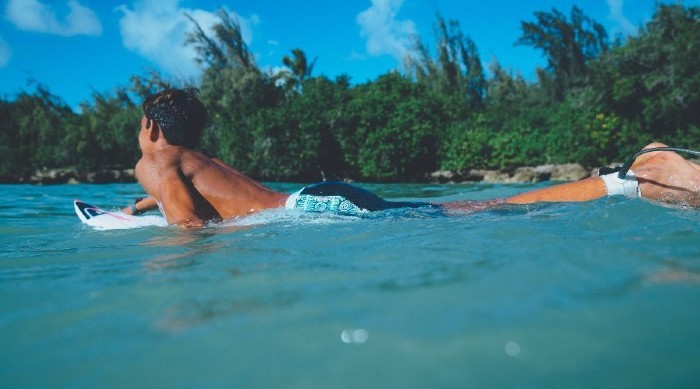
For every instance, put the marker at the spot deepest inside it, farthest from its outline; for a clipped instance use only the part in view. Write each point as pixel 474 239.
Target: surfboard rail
pixel 100 218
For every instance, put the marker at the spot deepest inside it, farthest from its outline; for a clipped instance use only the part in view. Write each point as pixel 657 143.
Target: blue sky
pixel 76 47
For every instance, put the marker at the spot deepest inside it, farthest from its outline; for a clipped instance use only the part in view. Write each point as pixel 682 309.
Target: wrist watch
pixel 134 210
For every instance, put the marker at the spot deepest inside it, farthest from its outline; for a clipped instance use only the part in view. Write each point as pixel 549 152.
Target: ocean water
pixel 597 294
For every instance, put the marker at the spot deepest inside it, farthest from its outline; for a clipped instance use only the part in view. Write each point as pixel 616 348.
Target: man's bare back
pixel 193 189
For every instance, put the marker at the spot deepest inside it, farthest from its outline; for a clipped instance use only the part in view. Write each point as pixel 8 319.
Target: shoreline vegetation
pixel 443 117
pixel 521 175
pixel 524 174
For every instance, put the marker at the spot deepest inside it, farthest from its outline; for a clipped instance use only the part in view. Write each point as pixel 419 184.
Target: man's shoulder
pixel 173 160
pixel 168 156
pixel 158 163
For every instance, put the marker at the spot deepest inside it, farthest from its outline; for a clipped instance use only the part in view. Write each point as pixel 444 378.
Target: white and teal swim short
pixel 342 198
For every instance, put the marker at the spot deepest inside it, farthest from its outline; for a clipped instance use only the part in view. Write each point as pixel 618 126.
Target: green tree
pixel 569 45
pixel 226 49
pixel 105 135
pixel 233 89
pixel 299 69
pixel 456 71
pixel 654 79
pixel 393 130
pixel 298 139
pixel 31 131
pixel 152 82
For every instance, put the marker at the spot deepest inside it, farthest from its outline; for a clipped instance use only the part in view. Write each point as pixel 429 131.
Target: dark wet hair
pixel 179 114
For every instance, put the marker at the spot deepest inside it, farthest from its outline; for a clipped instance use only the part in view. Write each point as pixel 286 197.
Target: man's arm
pixel 661 175
pixel 588 189
pixel 140 206
pixel 177 202
pixel 584 190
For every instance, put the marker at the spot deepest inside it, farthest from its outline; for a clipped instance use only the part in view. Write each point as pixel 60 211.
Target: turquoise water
pixel 599 294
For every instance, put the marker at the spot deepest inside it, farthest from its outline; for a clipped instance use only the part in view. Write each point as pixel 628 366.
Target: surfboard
pixel 107 220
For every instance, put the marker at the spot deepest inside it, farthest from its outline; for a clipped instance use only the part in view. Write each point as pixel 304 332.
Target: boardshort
pixel 339 197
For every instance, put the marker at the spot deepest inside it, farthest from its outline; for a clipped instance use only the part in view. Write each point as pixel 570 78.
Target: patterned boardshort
pixel 342 198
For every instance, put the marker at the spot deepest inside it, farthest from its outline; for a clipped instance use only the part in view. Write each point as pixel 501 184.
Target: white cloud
pixel 618 17
pixel 355 56
pixel 33 15
pixel 5 53
pixel 385 34
pixel 156 29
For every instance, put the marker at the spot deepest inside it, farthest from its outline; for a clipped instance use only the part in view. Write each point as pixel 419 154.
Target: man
pixel 191 189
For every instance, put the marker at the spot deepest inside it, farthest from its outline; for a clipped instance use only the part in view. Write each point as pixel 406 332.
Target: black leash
pixel 622 170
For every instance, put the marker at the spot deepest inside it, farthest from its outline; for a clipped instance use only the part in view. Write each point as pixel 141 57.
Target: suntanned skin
pixel 662 175
pixel 193 189
pixel 667 177
pixel 142 205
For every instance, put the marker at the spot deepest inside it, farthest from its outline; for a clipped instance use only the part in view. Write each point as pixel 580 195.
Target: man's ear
pixel 154 130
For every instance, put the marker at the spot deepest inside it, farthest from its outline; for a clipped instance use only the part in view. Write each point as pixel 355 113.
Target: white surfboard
pixel 105 220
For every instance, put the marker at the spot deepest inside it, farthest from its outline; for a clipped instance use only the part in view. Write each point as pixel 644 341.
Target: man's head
pixel 179 114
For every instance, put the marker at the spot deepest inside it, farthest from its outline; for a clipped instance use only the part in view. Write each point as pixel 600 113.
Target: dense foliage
pixel 595 102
